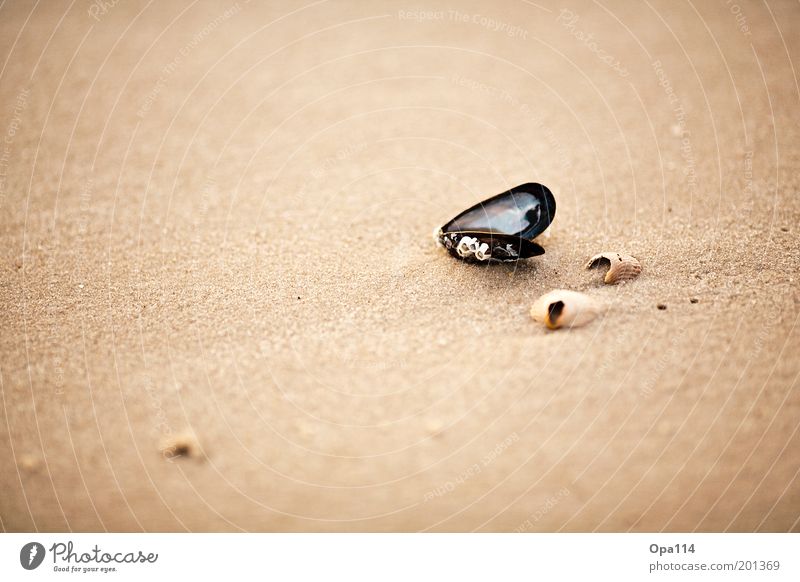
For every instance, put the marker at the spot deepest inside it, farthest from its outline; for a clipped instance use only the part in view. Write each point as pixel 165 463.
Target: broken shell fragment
pixel 184 444
pixel 620 267
pixel 562 308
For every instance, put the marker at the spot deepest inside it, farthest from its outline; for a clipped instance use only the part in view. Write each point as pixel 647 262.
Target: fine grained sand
pixel 216 233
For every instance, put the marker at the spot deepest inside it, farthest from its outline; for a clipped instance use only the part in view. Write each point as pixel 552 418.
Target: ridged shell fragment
pixel 563 308
pixel 620 267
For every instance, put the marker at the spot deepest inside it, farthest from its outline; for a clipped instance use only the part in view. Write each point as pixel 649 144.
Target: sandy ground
pixel 215 231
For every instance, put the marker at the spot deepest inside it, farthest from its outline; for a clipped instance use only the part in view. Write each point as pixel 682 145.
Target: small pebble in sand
pixel 662 306
pixel 562 308
pixel 694 300
pixel 785 228
pixel 29 463
pixel 434 426
pixel 181 445
pixel 621 267
pixel 18 264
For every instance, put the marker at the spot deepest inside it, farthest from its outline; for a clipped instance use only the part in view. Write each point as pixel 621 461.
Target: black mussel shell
pixel 501 228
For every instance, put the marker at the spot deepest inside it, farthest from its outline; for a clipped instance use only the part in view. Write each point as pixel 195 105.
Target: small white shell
pixel 562 308
pixel 620 267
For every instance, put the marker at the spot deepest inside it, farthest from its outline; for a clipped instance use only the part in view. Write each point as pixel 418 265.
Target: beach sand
pixel 215 228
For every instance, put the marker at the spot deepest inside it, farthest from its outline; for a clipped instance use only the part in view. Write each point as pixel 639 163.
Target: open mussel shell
pixel 501 228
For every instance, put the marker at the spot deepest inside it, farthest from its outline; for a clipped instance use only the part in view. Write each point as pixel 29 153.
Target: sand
pixel 222 310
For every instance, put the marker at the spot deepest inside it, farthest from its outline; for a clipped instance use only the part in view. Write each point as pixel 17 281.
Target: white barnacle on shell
pixel 466 246
pixel 482 253
pixel 469 246
pixel 437 236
